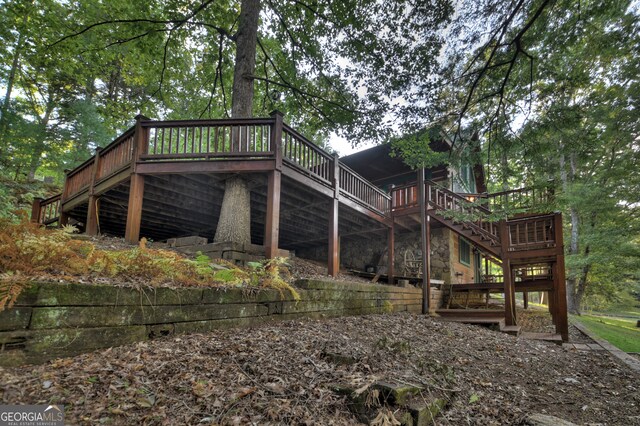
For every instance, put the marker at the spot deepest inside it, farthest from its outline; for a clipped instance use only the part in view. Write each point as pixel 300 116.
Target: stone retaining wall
pixel 56 320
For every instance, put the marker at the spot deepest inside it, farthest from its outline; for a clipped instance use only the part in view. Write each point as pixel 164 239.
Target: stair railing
pixel 460 209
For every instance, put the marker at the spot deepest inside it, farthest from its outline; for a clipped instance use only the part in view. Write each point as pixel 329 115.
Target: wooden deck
pixel 163 179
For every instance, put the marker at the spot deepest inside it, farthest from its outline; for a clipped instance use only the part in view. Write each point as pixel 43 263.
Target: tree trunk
pixel 235 215
pixel 7 97
pixel 235 205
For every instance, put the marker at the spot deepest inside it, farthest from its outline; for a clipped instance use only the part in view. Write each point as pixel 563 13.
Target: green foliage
pixel 416 151
pixel 29 251
pixel 273 273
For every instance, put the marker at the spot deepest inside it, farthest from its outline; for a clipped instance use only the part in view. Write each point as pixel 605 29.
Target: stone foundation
pixel 359 254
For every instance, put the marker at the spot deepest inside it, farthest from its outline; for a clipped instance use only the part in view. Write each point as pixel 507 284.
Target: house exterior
pixel 166 179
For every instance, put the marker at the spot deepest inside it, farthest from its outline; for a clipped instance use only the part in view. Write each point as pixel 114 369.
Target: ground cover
pixel 286 373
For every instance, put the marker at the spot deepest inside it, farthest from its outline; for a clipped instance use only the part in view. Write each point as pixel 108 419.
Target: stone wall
pixel 358 254
pixel 56 320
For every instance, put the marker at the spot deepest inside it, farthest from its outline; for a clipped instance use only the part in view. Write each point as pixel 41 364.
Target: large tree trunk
pixel 235 216
pixel 235 205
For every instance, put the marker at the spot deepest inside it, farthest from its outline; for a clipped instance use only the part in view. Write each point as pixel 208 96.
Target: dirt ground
pixel 281 374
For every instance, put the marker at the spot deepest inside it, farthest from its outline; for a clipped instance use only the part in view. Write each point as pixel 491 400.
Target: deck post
pixel 35 209
pixel 559 282
pixel 391 254
pixel 136 187
pixel 507 276
pixel 272 220
pixel 63 218
pixel 91 224
pixel 525 299
pixel 425 231
pixel 334 245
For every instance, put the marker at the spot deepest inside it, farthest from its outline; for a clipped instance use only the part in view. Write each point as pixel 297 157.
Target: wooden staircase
pixel 522 246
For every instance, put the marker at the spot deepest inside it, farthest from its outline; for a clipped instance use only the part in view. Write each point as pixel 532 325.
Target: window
pixel 464 251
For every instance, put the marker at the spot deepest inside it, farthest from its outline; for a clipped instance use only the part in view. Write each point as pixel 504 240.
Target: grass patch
pixel 620 332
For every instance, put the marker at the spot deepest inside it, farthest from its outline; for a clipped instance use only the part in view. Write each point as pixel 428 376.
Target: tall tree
pixel 339 65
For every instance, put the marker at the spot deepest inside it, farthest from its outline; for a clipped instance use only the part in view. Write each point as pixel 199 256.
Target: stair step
pixel 470 320
pixel 547 337
pixel 513 330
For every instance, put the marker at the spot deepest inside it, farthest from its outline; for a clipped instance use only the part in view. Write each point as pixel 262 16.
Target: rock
pixel 546 420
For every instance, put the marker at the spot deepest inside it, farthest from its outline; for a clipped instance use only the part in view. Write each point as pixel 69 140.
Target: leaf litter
pixel 286 373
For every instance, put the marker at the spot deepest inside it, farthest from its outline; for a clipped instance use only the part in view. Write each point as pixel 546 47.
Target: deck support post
pixel 559 282
pixel 35 209
pixel 507 276
pixel 136 187
pixel 525 299
pixel 91 224
pixel 334 204
pixel 334 246
pixel 134 209
pixel 63 218
pixel 272 220
pixel 425 232
pixel 391 254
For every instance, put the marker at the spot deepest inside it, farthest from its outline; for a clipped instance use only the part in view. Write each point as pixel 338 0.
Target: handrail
pixel 362 190
pixel 531 232
pixel 447 200
pixel 521 198
pixel 49 210
pixel 116 155
pixel 197 139
pixel 306 156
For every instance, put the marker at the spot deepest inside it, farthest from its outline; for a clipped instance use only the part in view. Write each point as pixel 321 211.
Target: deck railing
pixel 116 155
pixel 208 139
pixel 46 211
pixel 404 197
pixel 79 179
pixel 227 139
pixel 305 156
pixel 522 198
pixel 462 210
pixel 530 233
pixel 363 191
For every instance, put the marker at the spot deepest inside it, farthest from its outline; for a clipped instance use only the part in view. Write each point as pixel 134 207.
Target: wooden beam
pixel 391 255
pixel 219 166
pixel 134 208
pixel 91 223
pixel 334 253
pixel 272 218
pixel 424 234
pixel 560 289
pixel 35 209
pixel 334 207
pixel 507 276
